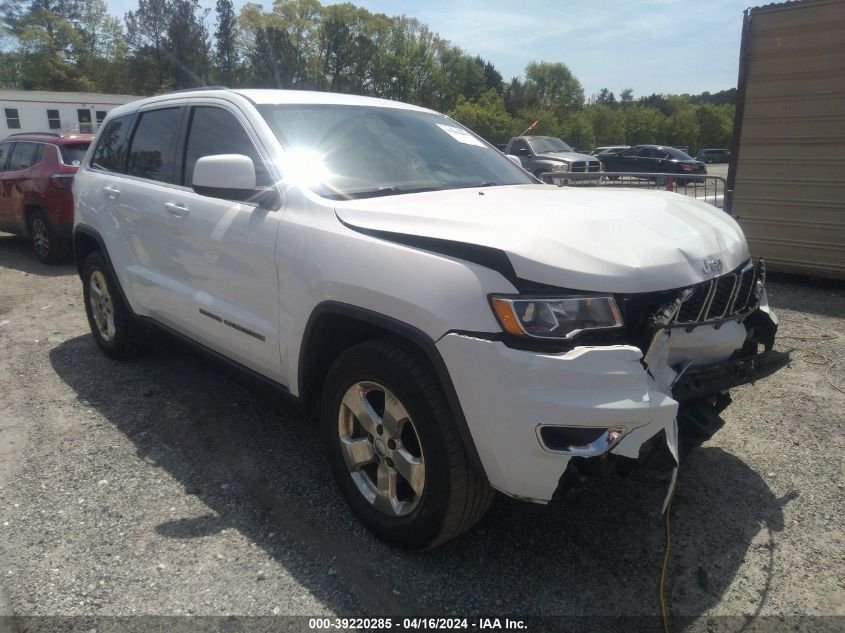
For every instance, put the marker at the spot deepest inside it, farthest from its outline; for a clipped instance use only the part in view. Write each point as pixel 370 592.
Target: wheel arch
pixel 30 206
pixel 334 327
pixel 86 240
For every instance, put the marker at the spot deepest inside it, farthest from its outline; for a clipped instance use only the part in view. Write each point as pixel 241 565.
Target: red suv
pixel 36 201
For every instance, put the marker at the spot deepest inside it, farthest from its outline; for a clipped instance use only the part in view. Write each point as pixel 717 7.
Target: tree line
pixel 163 45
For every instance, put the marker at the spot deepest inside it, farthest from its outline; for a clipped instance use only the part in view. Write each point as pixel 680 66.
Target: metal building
pixel 63 112
pixel 787 170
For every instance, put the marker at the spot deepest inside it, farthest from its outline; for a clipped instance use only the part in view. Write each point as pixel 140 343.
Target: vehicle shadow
pixel 16 252
pixel 257 463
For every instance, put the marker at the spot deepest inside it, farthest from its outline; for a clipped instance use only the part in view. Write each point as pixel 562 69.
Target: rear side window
pixel 216 131
pixel 23 156
pixel 73 153
pixel 113 145
pixel 152 150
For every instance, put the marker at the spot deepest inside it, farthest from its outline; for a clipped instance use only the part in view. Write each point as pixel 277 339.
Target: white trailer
pixel 62 112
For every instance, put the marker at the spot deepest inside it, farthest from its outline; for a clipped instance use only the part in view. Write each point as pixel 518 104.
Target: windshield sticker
pixel 462 136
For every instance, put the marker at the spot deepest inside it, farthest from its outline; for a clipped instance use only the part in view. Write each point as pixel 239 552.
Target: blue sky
pixel 670 46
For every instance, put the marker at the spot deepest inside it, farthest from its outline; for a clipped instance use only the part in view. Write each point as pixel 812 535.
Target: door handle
pixel 111 192
pixel 176 210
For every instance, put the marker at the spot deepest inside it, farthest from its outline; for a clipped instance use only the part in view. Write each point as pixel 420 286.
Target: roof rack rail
pixel 31 133
pixel 172 92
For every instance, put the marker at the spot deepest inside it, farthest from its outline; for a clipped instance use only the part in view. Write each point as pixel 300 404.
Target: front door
pixel 223 251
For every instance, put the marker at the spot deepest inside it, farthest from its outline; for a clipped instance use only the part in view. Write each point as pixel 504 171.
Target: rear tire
pixel 117 331
pixel 401 417
pixel 49 248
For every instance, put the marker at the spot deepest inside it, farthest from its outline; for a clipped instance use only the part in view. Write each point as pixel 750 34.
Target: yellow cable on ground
pixel 827 335
pixel 664 614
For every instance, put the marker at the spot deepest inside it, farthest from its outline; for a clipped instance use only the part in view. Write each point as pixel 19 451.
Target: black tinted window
pixel 5 148
pixel 216 131
pixel 113 145
pixel 72 154
pixel 23 156
pixel 151 153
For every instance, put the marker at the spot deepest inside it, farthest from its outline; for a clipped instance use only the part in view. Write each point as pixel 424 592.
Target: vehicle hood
pixel 584 239
pixel 567 157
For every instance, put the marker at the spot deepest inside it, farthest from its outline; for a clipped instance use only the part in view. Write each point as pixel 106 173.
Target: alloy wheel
pixel 381 448
pixel 102 308
pixel 40 237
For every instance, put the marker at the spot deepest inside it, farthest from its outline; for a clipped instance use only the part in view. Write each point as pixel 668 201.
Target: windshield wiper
pixel 381 191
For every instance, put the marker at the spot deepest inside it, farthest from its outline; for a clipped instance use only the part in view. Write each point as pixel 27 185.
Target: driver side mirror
pixel 228 176
pixel 523 151
pixel 514 159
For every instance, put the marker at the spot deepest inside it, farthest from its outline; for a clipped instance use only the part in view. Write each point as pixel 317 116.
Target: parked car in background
pixel 658 159
pixel 609 149
pixel 541 154
pixel 36 201
pixel 714 155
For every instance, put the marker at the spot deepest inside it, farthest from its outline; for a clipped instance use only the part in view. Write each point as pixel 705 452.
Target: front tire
pixel 49 248
pixel 116 330
pixel 394 448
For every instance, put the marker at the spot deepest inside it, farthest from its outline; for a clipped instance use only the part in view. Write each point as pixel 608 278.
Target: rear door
pixel 5 150
pixel 139 198
pixel 222 251
pixel 21 158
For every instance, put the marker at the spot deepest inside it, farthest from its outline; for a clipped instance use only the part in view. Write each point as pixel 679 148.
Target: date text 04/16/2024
pixel 417 624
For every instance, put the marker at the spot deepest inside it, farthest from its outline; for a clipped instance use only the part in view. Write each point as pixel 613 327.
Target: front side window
pixel 151 154
pixel 13 119
pixel 54 120
pixel 351 151
pixel 23 156
pixel 216 131
pixel 113 144
pixel 5 149
pixel 517 146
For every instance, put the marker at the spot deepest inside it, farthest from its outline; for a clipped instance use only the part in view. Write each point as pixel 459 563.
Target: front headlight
pixel 555 318
pixel 560 167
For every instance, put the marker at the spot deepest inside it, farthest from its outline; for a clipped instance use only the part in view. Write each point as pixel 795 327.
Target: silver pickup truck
pixel 541 154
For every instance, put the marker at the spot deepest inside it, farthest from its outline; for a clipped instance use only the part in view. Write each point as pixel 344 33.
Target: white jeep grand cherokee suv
pixel 455 326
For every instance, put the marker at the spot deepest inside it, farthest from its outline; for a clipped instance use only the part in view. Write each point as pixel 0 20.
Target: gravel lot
pixel 169 486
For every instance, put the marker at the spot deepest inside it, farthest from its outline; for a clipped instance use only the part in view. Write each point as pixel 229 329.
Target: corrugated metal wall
pixel 789 172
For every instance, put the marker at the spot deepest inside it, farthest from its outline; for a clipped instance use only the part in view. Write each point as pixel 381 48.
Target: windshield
pixel 72 154
pixel 345 152
pixel 546 144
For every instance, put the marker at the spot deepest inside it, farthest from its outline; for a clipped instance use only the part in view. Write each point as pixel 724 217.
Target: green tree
pixel 681 128
pixel 147 34
pixel 553 86
pixel 486 116
pixel 642 124
pixel 226 53
pixel 608 125
pixel 187 45
pixel 577 130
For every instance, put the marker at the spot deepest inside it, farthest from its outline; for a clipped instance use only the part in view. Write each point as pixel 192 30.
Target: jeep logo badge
pixel 712 265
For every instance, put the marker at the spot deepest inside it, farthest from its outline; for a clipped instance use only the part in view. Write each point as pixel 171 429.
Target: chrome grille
pixel 594 166
pixel 723 290
pixel 722 297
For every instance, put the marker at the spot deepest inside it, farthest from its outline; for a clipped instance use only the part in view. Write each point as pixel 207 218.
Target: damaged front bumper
pixel 530 414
